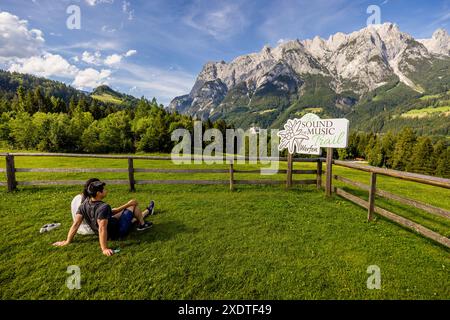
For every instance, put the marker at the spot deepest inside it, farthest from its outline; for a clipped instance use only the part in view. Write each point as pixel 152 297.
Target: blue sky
pixel 156 48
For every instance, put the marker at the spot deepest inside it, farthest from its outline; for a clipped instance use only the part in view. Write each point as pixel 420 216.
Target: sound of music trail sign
pixel 309 134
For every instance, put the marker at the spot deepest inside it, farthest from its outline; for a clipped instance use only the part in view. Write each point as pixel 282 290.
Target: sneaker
pixel 49 227
pixel 150 209
pixel 145 226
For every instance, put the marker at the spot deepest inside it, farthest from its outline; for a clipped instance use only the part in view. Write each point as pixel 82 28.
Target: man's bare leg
pixel 143 213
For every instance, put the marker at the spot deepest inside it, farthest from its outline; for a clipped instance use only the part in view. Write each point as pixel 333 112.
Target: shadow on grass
pixel 162 231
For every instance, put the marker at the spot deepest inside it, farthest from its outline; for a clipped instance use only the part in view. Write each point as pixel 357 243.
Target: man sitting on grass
pixel 106 222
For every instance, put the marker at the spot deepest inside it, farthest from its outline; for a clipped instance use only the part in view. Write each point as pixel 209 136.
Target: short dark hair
pixel 86 186
pixel 94 187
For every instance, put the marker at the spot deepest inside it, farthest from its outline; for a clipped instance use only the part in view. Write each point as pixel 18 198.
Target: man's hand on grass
pixel 61 243
pixel 108 252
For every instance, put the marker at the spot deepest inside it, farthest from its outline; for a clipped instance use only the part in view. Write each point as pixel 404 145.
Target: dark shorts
pixel 125 222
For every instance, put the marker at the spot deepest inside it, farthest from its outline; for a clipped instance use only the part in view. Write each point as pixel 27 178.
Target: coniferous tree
pixel 387 149
pixel 403 149
pixel 438 151
pixel 421 157
pixel 443 165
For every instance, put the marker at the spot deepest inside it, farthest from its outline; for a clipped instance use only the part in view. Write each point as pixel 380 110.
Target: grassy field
pixel 258 242
pixel 425 112
pixel 106 98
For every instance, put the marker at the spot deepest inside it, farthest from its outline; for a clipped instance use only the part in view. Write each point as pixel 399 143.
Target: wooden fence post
pixel 319 174
pixel 329 184
pixel 289 171
pixel 372 192
pixel 231 176
pixel 131 174
pixel 11 173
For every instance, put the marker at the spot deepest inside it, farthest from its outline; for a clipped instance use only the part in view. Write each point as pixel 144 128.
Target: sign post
pixel 308 135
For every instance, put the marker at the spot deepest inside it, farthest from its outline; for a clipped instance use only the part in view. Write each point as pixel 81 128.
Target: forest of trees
pixel 401 151
pixel 35 121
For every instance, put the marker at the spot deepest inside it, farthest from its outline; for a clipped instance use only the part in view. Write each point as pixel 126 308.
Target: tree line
pixel 34 121
pixel 402 151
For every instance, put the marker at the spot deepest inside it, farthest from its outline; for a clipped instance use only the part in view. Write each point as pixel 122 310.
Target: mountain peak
pixel 103 89
pixel 439 43
pixel 440 33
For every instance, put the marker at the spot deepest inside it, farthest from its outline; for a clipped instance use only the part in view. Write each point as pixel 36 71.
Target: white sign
pixel 310 133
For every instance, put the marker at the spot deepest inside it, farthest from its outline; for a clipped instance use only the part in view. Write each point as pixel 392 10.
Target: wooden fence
pixel 374 191
pixel 12 182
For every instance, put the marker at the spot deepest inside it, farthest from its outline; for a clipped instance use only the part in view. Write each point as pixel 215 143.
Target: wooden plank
pixel 231 177
pixel 261 181
pixel 372 191
pixel 3 184
pixel 131 174
pixel 306 181
pixel 182 170
pixel 319 175
pixel 289 172
pixel 417 204
pixel 352 198
pixel 430 180
pixel 200 182
pixel 11 173
pixel 71 170
pixel 329 182
pixel 67 182
pixel 277 171
pixel 106 156
pixel 397 219
pixel 352 183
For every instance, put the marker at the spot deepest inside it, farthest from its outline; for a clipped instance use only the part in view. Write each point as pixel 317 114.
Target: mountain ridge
pixel 265 87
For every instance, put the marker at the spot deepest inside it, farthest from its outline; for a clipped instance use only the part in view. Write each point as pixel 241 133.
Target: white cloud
pixel 126 8
pixel 45 66
pixel 16 40
pixel 91 78
pixel 92 58
pixel 95 2
pixel 220 22
pixel 113 59
pixel 108 29
pixel 130 53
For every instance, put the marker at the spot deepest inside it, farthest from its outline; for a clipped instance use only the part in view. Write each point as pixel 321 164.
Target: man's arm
pixel 123 207
pixel 72 231
pixel 103 236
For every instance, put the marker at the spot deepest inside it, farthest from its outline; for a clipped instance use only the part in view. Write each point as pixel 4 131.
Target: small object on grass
pixel 116 250
pixel 50 226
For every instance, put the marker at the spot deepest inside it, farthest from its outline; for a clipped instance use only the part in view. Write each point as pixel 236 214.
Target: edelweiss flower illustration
pixel 292 137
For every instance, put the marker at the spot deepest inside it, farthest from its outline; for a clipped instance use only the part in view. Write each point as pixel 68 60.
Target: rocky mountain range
pixel 338 76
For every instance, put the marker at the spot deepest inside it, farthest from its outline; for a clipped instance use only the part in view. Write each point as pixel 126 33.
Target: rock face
pixel 274 79
pixel 439 43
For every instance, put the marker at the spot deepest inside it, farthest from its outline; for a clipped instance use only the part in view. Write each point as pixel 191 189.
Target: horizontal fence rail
pixel 374 191
pixel 12 183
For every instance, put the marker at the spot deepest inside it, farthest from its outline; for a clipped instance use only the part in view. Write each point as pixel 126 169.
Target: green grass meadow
pixel 257 242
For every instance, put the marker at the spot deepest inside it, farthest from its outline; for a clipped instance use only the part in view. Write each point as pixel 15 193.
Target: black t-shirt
pixel 99 210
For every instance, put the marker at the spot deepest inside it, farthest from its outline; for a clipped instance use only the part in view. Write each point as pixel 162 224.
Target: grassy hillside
pixel 259 242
